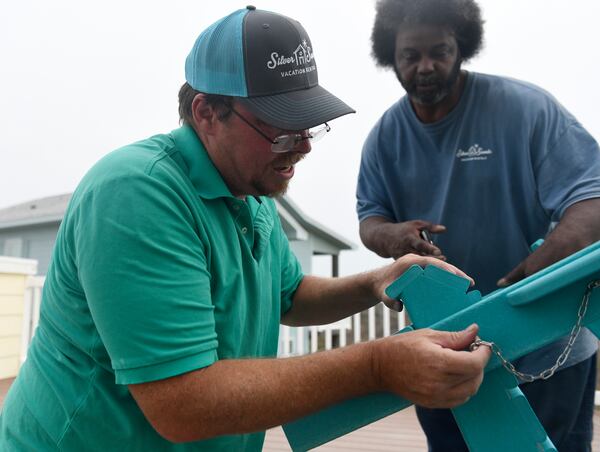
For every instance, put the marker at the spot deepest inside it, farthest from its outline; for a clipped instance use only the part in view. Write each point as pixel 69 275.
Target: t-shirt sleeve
pixel 143 270
pixel 371 194
pixel 566 164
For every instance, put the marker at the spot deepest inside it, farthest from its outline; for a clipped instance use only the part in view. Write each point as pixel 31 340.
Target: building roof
pixel 285 204
pixel 38 211
pixel 297 225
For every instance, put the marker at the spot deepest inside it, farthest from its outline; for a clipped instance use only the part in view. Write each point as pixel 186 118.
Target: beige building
pixel 14 273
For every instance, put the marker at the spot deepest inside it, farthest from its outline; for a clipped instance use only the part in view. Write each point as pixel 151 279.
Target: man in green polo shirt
pixel 171 274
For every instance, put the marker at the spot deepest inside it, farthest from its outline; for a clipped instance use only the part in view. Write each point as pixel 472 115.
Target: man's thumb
pixel 460 340
pixel 516 274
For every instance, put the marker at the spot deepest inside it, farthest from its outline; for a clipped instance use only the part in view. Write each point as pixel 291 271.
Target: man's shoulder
pixel 140 154
pixel 510 89
pixel 130 166
pixel 137 158
pixel 393 117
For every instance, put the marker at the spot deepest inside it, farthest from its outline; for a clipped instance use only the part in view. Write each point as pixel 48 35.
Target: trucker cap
pixel 266 61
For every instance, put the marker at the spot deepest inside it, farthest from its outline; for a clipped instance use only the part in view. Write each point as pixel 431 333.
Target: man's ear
pixel 204 115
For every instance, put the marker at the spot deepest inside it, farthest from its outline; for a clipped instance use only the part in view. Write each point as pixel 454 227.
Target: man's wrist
pixel 374 350
pixel 383 235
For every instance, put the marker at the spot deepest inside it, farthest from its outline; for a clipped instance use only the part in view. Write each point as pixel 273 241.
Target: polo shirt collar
pixel 202 172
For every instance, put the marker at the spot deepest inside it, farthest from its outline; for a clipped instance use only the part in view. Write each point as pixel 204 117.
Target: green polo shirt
pixel 157 270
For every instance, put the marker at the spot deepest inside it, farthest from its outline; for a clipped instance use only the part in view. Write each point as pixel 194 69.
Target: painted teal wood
pixel 499 418
pixel 519 319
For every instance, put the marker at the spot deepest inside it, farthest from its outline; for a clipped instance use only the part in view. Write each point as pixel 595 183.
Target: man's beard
pixel 262 188
pixel 442 87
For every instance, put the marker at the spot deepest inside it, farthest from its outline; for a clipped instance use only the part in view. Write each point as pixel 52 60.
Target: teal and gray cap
pixel 266 61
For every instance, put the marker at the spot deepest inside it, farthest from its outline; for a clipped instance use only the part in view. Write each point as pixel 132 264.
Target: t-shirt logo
pixel 474 152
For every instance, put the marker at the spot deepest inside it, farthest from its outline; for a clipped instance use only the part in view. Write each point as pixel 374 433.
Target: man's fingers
pixel 392 304
pixel 446 377
pixel 449 268
pixel 420 224
pixel 516 274
pixel 425 248
pixel 458 340
pixel 466 363
pixel 462 377
pixel 436 228
pixel 438 261
pixel 463 391
pixel 431 227
pixel 480 356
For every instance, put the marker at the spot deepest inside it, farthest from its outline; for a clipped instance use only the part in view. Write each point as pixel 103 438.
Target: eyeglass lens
pixel 285 143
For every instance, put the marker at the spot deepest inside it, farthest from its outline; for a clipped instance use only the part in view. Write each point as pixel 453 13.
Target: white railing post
pixel 27 331
pixel 306 339
pixel 285 350
pixel 31 313
pixel 385 314
pixel 372 331
pixel 299 341
pixel 328 341
pixel 356 327
pixel 314 339
pixel 342 337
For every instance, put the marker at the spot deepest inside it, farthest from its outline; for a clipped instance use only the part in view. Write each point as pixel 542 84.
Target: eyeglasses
pixel 287 142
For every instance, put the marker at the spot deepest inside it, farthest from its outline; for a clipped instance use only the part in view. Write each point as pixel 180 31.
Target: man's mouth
pixel 283 169
pixel 287 172
pixel 287 166
pixel 427 85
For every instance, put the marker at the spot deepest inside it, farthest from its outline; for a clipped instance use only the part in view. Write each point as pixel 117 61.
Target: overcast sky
pixel 79 79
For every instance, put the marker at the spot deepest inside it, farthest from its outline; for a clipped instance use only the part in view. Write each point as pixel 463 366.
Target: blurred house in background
pixel 28 230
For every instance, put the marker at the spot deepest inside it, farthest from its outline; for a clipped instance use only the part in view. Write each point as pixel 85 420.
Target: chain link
pixel 562 358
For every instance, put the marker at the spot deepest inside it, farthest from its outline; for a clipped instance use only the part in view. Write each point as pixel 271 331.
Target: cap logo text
pixel 301 56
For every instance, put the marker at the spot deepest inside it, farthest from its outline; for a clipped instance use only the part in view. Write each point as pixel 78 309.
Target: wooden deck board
pixel 400 431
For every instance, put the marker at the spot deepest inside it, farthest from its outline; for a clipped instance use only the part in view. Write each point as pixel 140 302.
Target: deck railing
pixel 31 311
pixel 377 321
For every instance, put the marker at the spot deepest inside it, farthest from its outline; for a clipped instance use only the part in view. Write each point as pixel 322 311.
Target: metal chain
pixel 544 375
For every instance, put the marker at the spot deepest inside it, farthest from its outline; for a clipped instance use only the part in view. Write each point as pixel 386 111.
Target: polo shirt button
pixel 236 207
pixel 244 230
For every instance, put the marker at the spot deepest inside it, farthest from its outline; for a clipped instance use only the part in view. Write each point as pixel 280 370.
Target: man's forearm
pixel 578 228
pixel 242 396
pixel 318 301
pixel 373 235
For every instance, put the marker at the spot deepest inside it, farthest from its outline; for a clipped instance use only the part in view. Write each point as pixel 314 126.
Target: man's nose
pixel 303 146
pixel 425 66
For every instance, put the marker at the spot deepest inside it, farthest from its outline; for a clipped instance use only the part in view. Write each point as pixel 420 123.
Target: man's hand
pixel 545 255
pixel 387 275
pixel 579 227
pixel 397 239
pixel 430 367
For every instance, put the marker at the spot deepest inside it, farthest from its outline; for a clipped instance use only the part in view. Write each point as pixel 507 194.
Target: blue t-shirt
pixel 496 171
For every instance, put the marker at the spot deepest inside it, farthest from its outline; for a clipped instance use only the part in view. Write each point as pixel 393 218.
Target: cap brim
pixel 297 110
